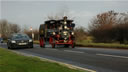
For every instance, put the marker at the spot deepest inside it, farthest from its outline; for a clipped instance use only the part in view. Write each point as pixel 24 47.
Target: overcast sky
pixel 33 13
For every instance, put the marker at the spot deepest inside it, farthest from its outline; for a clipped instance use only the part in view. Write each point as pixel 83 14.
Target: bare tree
pixel 15 28
pixel 122 28
pixel 6 28
pixel 101 26
pixel 110 27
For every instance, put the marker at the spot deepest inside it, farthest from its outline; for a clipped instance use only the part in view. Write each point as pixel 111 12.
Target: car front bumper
pixel 18 45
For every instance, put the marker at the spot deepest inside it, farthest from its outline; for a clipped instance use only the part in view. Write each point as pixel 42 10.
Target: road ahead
pixel 101 60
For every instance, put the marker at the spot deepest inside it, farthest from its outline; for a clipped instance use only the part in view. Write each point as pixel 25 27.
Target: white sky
pixel 33 13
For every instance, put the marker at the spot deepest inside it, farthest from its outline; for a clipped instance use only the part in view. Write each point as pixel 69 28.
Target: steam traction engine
pixel 57 32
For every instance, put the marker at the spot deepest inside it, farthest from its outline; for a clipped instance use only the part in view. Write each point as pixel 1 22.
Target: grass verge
pixel 12 62
pixel 36 42
pixel 99 45
pixel 103 45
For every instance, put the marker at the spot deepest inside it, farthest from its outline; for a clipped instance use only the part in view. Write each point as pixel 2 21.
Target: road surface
pixel 99 59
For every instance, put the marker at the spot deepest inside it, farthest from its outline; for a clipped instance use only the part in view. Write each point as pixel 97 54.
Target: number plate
pixel 22 43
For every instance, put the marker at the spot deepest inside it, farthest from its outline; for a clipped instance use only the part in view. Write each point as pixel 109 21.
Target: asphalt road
pixel 99 59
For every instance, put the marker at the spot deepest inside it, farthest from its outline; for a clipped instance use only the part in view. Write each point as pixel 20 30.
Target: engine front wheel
pixel 73 45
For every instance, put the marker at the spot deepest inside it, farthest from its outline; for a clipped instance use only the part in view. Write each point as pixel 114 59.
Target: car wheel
pixel 9 47
pixel 31 46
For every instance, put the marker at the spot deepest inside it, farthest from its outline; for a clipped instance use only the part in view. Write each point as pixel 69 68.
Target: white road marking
pixel 73 51
pixel 112 55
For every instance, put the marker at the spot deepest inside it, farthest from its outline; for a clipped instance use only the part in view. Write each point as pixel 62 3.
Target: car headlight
pixel 72 33
pixel 30 40
pixel 13 41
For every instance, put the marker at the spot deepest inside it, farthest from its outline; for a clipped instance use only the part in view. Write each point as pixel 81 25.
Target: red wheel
pixel 73 45
pixel 52 42
pixel 42 43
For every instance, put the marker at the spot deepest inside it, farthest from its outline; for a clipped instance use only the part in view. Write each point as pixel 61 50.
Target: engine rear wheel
pixel 42 43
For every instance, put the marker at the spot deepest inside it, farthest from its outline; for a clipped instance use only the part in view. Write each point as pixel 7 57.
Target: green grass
pixel 36 41
pixel 89 43
pixel 12 62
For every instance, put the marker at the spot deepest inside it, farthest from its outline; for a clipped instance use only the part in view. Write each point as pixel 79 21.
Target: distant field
pixel 12 62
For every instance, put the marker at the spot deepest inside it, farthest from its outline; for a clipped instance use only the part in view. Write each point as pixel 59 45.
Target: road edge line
pixel 50 60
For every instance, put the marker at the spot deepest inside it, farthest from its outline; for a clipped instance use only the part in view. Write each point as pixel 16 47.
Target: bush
pixel 108 27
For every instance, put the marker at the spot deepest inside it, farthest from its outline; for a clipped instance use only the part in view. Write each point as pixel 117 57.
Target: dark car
pixel 19 40
pixel 1 40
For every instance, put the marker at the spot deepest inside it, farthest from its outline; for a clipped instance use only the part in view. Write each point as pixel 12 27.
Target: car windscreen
pixel 20 36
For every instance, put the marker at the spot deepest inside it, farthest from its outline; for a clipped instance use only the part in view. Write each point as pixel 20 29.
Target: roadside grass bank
pixel 98 45
pixel 13 62
pixel 103 45
pixel 36 42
